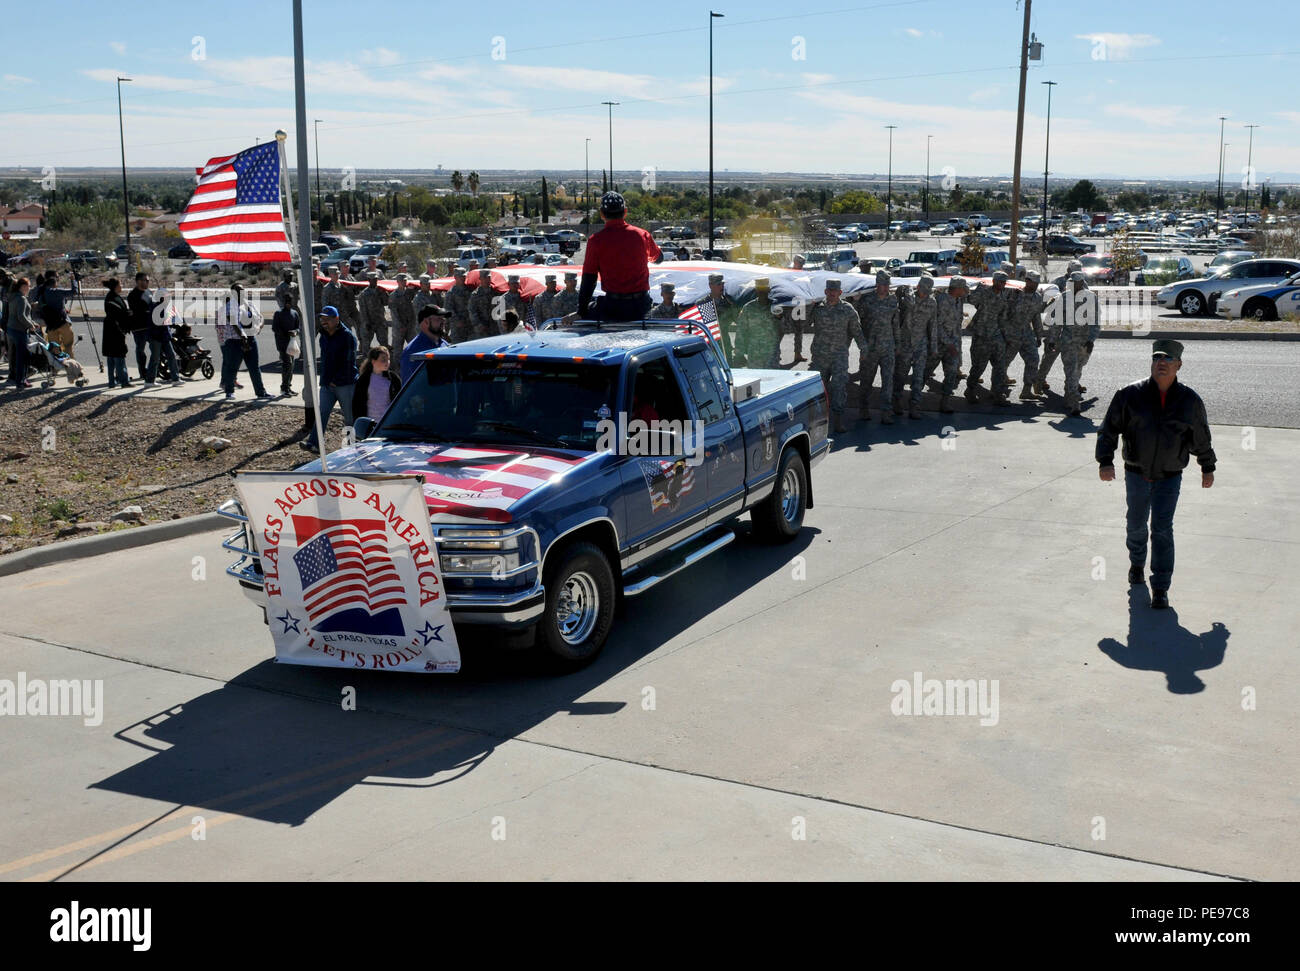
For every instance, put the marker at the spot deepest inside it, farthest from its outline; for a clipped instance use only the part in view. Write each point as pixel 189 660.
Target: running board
pixel 676 562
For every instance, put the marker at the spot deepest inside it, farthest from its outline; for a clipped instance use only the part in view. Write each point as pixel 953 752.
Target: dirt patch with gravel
pixel 70 462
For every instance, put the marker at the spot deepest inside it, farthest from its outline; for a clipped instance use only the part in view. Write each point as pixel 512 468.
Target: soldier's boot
pixel 841 426
pixel 970 390
pixel 1040 389
pixel 945 405
pixel 1082 389
pixel 960 373
pixel 898 405
pixel 1027 395
pixel 1044 387
pixel 914 412
pixel 885 417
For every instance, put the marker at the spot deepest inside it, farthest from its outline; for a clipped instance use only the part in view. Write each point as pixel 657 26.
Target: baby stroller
pixel 191 355
pixel 52 358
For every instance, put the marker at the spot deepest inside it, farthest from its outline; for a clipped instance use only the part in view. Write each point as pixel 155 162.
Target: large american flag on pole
pixel 345 565
pixel 704 313
pixel 235 212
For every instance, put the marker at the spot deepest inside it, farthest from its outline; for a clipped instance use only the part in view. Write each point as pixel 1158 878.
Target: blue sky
pixel 800 87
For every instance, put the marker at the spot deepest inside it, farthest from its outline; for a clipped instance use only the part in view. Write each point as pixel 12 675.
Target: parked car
pixel 1060 244
pixel 1226 259
pixel 360 259
pixel 1160 270
pixel 32 257
pixel 339 258
pixel 124 253
pixel 464 255
pixel 595 525
pixel 337 241
pixel 1098 269
pixel 1194 298
pixel 181 251
pixel 936 259
pixel 1265 301
pixel 917 226
pixel 979 219
pixel 87 259
pixel 546 259
pixel 913 270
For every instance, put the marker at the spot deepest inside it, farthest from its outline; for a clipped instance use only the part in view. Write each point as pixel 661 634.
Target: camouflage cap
pixel 402 277
pixel 458 271
pixel 762 283
pixel 667 286
pixel 1167 348
pixel 925 284
pixel 372 275
pixel 833 284
pixel 958 283
pixel 334 268
pixel 1032 276
pixel 570 276
pixel 999 277
pixel 512 278
pixel 425 278
pixel 882 278
pixel 715 278
pixel 550 278
pixel 1078 277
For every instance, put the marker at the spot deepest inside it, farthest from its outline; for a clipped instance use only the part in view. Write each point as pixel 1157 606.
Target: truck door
pixel 665 496
pixel 723 446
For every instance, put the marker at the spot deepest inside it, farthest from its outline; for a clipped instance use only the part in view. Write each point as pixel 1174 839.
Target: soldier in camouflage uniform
pixel 544 302
pixel 991 308
pixel 916 320
pixel 756 340
pixel 514 301
pixel 372 266
pixel 727 312
pixel 1051 352
pixel 1027 332
pixel 457 302
pixel 370 309
pixel 667 308
pixel 880 323
pixel 483 309
pixel 945 337
pixel 835 323
pixel 332 295
pixel 426 296
pixel 566 301
pixel 348 312
pixel 401 304
pixel 1074 325
pixel 284 291
pixel 317 283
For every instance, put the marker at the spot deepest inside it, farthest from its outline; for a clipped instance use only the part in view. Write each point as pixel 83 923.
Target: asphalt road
pixel 745 720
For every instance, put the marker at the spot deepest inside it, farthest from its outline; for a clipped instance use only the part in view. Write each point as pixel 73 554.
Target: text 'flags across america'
pixel 235 212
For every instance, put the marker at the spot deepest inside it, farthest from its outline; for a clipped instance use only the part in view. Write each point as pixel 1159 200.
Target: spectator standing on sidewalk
pixel 377 386
pixel 117 324
pixel 238 324
pixel 141 303
pixel 160 342
pixel 285 325
pixel 19 325
pixel 338 373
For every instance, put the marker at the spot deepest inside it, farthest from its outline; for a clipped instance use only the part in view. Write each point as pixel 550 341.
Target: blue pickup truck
pixel 544 504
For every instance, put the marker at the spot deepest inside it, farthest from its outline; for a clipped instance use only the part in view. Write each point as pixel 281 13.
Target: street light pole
pixel 1218 200
pixel 711 16
pixel 121 134
pixel 889 185
pixel 586 188
pixel 927 177
pixel 320 204
pixel 611 105
pixel 1250 172
pixel 1042 227
pixel 1020 137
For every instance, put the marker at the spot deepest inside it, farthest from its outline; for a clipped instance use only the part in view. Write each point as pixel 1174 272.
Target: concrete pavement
pixel 1125 743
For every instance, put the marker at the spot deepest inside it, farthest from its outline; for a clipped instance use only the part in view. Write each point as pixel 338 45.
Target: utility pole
pixel 1218 199
pixel 611 105
pixel 320 205
pixel 1020 137
pixel 1250 172
pixel 586 189
pixel 927 177
pixel 121 134
pixel 889 185
pixel 1042 228
pixel 711 16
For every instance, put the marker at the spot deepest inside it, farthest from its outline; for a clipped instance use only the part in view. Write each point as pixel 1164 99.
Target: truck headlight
pixel 489 563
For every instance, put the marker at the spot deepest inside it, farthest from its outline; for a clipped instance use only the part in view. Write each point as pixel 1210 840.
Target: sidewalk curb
pixel 121 539
pixel 1203 335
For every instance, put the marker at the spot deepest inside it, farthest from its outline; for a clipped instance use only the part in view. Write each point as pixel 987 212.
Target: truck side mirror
pixel 362 427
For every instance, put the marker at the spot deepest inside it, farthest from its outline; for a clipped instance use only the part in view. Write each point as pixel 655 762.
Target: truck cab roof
pixel 591 346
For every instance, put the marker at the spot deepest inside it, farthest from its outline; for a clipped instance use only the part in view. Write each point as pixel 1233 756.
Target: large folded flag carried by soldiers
pixel 235 212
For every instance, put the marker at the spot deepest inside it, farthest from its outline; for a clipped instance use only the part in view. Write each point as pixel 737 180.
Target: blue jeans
pixel 141 340
pixel 18 356
pixel 1156 500
pixel 328 394
pixel 157 351
pixel 116 371
pixel 232 355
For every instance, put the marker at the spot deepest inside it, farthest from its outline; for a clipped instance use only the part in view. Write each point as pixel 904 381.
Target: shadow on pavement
pixel 287 748
pixel 1157 642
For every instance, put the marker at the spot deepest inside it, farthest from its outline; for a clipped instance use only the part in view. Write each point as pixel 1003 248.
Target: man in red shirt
pixel 618 254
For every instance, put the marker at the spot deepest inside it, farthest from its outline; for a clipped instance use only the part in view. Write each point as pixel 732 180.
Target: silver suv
pixel 1196 298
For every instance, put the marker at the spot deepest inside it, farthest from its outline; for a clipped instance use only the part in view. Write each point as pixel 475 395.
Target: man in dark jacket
pixel 285 326
pixel 1161 421
pixel 338 372
pixel 141 320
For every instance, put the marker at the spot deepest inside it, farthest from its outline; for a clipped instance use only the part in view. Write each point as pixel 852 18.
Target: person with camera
pixel 238 324
pixel 53 301
pixel 159 336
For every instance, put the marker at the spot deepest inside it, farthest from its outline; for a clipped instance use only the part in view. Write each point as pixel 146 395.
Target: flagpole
pixel 306 288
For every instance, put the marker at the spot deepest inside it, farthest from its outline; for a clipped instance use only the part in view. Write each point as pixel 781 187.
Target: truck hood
pixel 462 483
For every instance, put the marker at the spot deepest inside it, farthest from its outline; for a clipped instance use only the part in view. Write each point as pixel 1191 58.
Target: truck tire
pixel 779 517
pixel 580 599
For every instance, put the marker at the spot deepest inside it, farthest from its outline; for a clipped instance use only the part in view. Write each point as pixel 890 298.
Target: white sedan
pixel 1265 301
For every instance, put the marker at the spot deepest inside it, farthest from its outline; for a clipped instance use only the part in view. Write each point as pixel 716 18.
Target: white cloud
pixel 1164 116
pixel 983 95
pixel 1291 116
pixel 155 82
pixel 586 79
pixel 1116 47
pixel 810 78
pixel 17 79
pixel 381 56
pixel 119 48
pixel 913 32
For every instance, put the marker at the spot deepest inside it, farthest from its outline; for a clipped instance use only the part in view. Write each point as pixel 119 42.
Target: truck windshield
pixel 546 402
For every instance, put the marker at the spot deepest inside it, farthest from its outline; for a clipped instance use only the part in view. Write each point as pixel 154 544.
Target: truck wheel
pixel 579 605
pixel 779 517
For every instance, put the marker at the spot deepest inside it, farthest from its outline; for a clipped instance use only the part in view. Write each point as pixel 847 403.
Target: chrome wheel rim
pixel 577 607
pixel 1191 305
pixel 790 495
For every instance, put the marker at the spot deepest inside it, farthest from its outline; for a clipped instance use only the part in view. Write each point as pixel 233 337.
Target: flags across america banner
pixel 235 212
